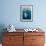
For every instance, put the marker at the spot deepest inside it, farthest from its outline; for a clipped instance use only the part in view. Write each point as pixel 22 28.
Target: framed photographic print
pixel 26 13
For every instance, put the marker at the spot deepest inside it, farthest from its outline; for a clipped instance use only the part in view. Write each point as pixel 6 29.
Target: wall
pixel 10 13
